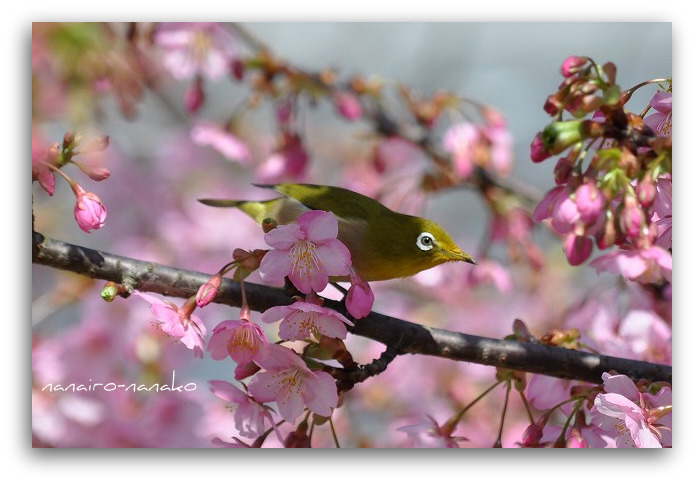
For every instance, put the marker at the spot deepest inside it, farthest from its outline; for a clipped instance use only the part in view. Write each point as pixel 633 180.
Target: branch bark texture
pixel 403 336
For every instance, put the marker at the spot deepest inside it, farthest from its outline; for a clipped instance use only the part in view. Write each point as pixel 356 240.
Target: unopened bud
pixel 209 290
pixel 68 139
pixel 553 105
pixel 589 201
pixel 646 190
pixel 238 68
pixel 577 249
pixel 632 218
pixel 563 170
pixel 348 105
pixel 194 97
pixel 53 155
pixel 245 370
pixel 558 136
pixel 572 65
pixel 538 151
pixel 110 291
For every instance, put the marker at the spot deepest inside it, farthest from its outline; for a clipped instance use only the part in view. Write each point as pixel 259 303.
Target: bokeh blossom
pixel 204 48
pixel 223 141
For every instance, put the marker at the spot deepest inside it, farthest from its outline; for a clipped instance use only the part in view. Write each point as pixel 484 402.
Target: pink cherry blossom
pixel 292 385
pixel 223 141
pixel 178 322
pixel 90 213
pixel 360 297
pixel 634 418
pixel 307 252
pixel 250 417
pixel 301 320
pixel 648 265
pixel 241 339
pixel 204 48
pixel 661 121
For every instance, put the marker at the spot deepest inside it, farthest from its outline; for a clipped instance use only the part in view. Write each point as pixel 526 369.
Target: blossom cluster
pixel 308 253
pixel 614 179
pixel 47 160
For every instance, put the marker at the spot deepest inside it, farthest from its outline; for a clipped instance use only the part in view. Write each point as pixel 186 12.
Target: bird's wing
pixel 350 205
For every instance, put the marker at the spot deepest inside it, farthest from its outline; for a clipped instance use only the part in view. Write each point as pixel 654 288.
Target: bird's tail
pixel 258 210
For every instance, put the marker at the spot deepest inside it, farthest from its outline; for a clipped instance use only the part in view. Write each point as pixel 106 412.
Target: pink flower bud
pixel 553 105
pixel 572 65
pixel 646 190
pixel 95 173
pixel 590 202
pixel 532 435
pixel 538 151
pixel 69 139
pixel 632 218
pixel 90 213
pixel 576 440
pixel 238 68
pixel 194 96
pixel 348 105
pixel 244 370
pixel 577 249
pixel 209 290
pixel 606 236
pixel 563 170
pixel 360 297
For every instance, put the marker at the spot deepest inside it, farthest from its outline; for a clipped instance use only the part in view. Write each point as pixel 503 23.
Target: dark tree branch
pixel 403 336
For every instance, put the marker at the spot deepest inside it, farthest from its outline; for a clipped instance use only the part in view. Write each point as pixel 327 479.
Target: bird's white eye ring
pixel 425 241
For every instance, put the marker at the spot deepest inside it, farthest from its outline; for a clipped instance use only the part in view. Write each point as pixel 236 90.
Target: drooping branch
pixel 403 336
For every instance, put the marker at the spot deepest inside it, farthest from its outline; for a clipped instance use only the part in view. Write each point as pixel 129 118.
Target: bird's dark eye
pixel 425 241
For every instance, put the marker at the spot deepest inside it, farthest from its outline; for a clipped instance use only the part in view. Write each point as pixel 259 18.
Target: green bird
pixel 383 244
